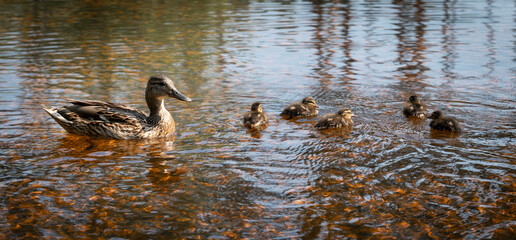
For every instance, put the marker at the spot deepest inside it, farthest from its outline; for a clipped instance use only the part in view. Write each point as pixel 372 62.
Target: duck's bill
pixel 176 94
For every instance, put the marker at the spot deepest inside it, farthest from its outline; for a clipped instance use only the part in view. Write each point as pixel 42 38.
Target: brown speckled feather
pixel 107 111
pixel 96 118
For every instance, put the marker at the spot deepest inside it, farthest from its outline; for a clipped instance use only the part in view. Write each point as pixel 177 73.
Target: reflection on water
pixel 384 177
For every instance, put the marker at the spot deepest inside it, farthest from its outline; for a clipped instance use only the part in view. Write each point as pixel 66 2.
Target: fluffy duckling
pixel 340 119
pixel 256 117
pixel 414 107
pixel 441 122
pixel 306 108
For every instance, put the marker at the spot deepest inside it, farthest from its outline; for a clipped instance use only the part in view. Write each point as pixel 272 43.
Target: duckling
pixel 414 107
pixel 340 119
pixel 441 122
pixel 306 108
pixel 111 120
pixel 256 118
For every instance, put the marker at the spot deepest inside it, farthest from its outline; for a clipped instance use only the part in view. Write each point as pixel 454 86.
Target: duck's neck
pixel 158 113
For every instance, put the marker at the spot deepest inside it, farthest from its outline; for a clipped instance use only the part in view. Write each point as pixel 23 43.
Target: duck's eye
pixel 161 84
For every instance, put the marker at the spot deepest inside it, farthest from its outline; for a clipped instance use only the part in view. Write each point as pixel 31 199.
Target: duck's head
pixel 160 86
pixel 436 115
pixel 256 107
pixel 346 113
pixel 309 101
pixel 414 99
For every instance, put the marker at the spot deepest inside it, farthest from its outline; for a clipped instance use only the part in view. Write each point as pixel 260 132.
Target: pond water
pixel 385 177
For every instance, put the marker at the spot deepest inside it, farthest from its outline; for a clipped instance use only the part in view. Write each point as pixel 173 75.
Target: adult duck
pixel 305 108
pixel 336 120
pixel 256 118
pixel 111 120
pixel 414 108
pixel 441 122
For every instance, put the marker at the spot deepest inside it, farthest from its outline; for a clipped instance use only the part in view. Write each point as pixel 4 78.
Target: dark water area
pixel 385 177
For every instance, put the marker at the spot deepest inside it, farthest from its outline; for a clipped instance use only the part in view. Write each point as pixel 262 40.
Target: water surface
pixel 386 177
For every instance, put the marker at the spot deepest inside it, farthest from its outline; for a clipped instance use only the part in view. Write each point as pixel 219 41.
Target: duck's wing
pixel 453 124
pixel 99 118
pixel 106 109
pixel 289 111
